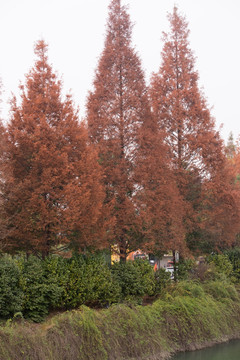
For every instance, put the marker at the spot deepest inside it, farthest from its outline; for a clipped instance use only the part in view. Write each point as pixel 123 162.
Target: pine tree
pixel 197 154
pixel 53 193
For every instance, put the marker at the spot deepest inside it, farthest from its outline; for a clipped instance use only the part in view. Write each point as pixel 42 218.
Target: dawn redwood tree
pixel 53 193
pixel 197 154
pixel 158 198
pixel 220 209
pixel 121 126
pixel 231 147
pixel 116 110
pixel 3 176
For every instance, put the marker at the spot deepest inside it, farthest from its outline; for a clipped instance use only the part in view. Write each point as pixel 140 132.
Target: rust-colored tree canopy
pixel 158 198
pixel 53 193
pixel 3 179
pixel 147 171
pixel 117 109
pixel 197 154
pixel 179 106
pixel 131 153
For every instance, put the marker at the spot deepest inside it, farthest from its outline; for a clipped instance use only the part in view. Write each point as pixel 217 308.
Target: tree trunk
pixel 123 252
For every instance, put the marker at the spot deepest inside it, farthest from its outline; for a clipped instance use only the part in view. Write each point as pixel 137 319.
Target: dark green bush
pixel 83 280
pixel 146 275
pixel 101 288
pixel 222 264
pixel 184 267
pixel 11 295
pixel 34 286
pixel 40 294
pixel 66 273
pixel 135 279
pixel 162 280
pixel 234 257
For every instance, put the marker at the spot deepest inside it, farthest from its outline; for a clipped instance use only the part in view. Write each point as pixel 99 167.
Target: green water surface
pixel 226 351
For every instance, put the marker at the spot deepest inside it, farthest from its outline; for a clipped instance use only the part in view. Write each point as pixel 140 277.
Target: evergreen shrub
pixel 11 294
pixel 40 294
pixel 234 257
pixel 83 280
pixel 222 265
pixel 162 280
pixel 135 278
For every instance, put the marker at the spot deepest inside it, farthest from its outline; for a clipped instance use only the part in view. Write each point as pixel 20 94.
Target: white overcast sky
pixel 75 32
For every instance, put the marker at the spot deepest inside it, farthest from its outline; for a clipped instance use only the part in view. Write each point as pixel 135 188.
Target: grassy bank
pixel 189 315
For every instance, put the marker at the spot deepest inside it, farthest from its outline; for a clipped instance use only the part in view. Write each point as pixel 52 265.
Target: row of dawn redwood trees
pixel 146 170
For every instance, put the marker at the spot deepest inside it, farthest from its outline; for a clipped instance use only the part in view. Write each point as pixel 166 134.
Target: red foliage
pixel 197 156
pixel 137 178
pixel 3 178
pixel 53 193
pixel 117 109
pixel 148 180
pixel 158 198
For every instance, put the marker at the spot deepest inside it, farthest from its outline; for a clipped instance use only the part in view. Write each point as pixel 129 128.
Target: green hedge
pixel 135 279
pixel 34 287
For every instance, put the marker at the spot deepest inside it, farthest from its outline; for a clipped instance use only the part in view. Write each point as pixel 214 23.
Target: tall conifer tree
pixel 197 155
pixel 121 126
pixel 53 193
pixel 3 178
pixel 117 109
pixel 158 198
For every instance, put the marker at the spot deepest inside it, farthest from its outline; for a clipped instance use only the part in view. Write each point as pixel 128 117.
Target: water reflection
pixel 227 351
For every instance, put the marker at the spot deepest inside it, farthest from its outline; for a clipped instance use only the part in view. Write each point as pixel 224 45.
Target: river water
pixel 226 351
